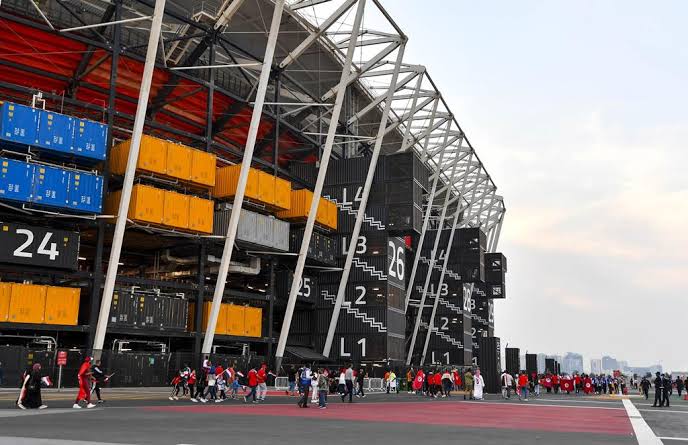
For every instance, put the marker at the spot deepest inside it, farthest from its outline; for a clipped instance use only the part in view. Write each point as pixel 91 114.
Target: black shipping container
pixel 495 262
pixel 359 348
pixel 549 365
pixel 407 165
pixel 308 173
pixel 489 362
pixel 124 309
pixel 368 244
pixel 557 367
pixel 148 311
pixel 174 313
pixel 350 195
pixel 308 292
pixel 351 170
pixel 322 248
pixel 373 221
pixel 513 361
pixel 531 364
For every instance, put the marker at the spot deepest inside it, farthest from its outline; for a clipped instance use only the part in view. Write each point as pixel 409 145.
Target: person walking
pixel 679 385
pixel 468 384
pixel 30 393
pixel 192 386
pixel 659 390
pixel 315 387
pixel 349 383
pixel 507 382
pixel 99 379
pixel 252 378
pixel 447 383
pixel 84 377
pixel 323 386
pixel 360 381
pixel 645 387
pixel 666 387
pixel 261 379
pixel 478 385
pixel 291 378
pixel 392 385
pixel 523 386
pixel 304 386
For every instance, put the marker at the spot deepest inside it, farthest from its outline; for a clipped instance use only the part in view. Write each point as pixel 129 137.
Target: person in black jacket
pixel 666 386
pixel 645 387
pixel 679 385
pixel 659 387
pixel 98 379
pixel 359 381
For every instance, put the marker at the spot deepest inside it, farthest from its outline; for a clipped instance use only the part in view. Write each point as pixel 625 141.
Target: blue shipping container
pixel 85 192
pixel 50 186
pixel 16 180
pixel 18 123
pixel 55 131
pixel 90 138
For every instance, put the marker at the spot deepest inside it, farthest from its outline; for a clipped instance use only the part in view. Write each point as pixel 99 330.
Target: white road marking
pixel 684 439
pixel 643 432
pixel 663 411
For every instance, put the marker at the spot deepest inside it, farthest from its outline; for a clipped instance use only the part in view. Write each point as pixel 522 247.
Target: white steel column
pixel 243 178
pixel 360 214
pixel 428 211
pixel 431 264
pixel 495 240
pixel 317 192
pixel 121 223
pixel 414 102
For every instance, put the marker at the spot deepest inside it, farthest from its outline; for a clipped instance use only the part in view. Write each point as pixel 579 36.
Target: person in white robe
pixel 478 385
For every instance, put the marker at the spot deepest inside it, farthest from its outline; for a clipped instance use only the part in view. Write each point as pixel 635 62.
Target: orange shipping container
pixel 282 194
pixel 221 326
pixel 152 156
pixel 179 158
pixel 146 204
pixel 235 320
pixel 191 317
pixel 253 321
pixel 266 188
pixel 5 292
pixel 62 305
pixel 227 179
pixel 203 166
pixel 201 215
pixel 27 303
pixel 300 204
pixel 330 213
pixel 176 210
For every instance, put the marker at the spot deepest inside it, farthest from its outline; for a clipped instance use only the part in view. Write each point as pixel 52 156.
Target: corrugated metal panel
pixel 203 167
pixel 489 361
pixel 16 180
pixel 27 303
pixel 50 186
pixel 123 309
pixel 18 123
pixel 55 131
pixel 90 139
pixel 513 361
pixel 85 192
pixel 352 170
pixel 179 161
pixel 5 293
pixel 62 305
pixel 321 248
pixel 308 292
pixel 254 228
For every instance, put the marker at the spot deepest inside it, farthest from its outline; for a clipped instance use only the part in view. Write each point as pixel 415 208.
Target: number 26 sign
pixel 38 246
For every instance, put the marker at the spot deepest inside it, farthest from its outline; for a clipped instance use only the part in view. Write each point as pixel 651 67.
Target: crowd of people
pixel 216 383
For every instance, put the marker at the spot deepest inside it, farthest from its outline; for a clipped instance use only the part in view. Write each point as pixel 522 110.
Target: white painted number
pixel 445 323
pixel 473 331
pixel 444 289
pixel 396 265
pixel 19 251
pixel 52 253
pixel 358 196
pixel 445 355
pixel 361 246
pixel 362 342
pixel 305 288
pixel 360 299
pixel 468 304
pixel 342 350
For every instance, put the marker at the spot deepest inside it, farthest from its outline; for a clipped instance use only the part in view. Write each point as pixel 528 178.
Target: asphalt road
pixel 145 416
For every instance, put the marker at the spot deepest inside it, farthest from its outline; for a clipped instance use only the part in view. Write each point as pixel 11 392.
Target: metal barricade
pixel 281 383
pixel 375 385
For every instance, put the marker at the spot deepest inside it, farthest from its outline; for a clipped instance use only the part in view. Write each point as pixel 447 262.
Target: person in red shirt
pixel 418 382
pixel 457 380
pixel 192 386
pixel 261 378
pixel 555 383
pixel 523 386
pixel 587 384
pixel 252 384
pixel 437 383
pixel 84 376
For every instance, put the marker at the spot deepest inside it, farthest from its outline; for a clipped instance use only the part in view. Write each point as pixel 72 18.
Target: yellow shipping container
pixel 179 158
pixel 27 303
pixel 282 194
pixel 221 326
pixel 330 213
pixel 62 305
pixel 203 166
pixel 152 156
pixel 266 188
pixel 227 179
pixel 235 320
pixel 175 210
pixel 5 292
pixel 146 204
pixel 201 215
pixel 300 204
pixel 191 317
pixel 253 321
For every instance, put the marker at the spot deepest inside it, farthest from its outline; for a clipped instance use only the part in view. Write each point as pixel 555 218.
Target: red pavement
pixel 471 415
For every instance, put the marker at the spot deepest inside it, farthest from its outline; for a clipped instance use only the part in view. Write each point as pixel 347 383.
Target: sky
pixel 579 111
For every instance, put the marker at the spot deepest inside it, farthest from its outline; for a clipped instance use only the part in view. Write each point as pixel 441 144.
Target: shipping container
pixel 353 170
pixel 253 322
pixel 322 248
pixel 308 291
pixel 152 156
pixel 123 309
pixel 203 166
pixel 175 212
pixel 254 228
pixel 513 360
pixel 174 313
pixel 236 320
pixel 27 303
pixel 179 158
pixel 85 192
pixel 357 347
pixel 407 166
pixel 305 172
pixel 50 186
pixel 5 293
pixel 146 205
pixel 18 123
pixel 62 305
pixel 55 131
pixel 227 180
pixel 221 325
pixel 373 220
pixel 531 364
pixel 266 188
pixel 326 215
pixel 90 139
pixel 16 180
pixel 201 215
pixel 282 194
pixel 489 361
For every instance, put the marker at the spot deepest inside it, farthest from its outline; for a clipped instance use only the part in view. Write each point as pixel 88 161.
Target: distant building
pixel 623 365
pixel 522 361
pixel 541 363
pixel 572 362
pixel 609 364
pixel 644 370
pixel 596 366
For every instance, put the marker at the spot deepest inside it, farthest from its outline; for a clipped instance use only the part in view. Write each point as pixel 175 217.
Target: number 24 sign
pixel 38 246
